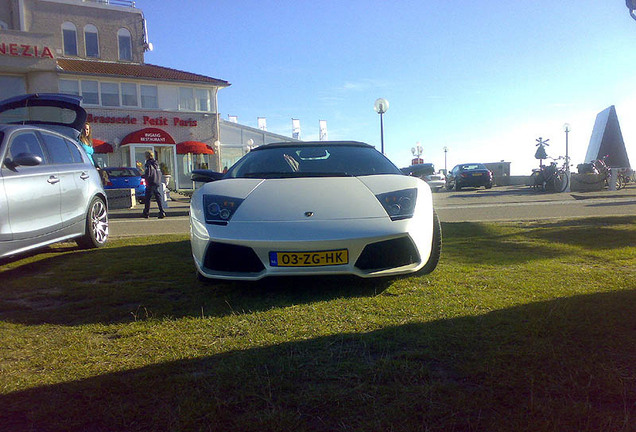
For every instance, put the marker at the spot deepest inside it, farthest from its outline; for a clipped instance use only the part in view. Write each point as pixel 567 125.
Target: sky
pixel 483 78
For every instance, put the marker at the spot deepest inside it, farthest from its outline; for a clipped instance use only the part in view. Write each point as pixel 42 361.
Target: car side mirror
pixel 23 159
pixel 205 176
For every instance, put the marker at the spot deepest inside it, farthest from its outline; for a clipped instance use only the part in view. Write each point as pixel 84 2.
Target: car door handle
pixel 53 180
pixel 84 176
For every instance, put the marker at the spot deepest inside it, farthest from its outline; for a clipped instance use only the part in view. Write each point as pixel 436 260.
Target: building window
pixel 125 44
pixel 90 92
pixel 69 33
pixel 149 96
pixel 129 94
pixel 186 99
pixel 203 99
pixel 91 40
pixel 69 86
pixel 110 94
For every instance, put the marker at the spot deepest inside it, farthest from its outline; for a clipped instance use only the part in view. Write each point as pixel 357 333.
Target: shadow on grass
pixel 493 244
pixel 565 365
pixel 488 244
pixel 154 280
pixel 589 233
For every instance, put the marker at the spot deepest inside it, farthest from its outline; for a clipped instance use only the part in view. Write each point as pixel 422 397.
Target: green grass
pixel 523 327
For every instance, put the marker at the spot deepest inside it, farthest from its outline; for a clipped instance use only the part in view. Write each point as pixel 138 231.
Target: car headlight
pixel 399 204
pixel 219 209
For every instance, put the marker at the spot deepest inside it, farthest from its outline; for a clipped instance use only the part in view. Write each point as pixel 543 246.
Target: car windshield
pixel 312 161
pixel 470 167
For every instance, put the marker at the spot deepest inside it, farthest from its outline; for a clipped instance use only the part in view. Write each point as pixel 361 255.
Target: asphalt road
pixel 514 203
pixel 509 203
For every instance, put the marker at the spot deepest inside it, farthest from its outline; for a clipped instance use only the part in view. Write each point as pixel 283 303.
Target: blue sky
pixel 484 78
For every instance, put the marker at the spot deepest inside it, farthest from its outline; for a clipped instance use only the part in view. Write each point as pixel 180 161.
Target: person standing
pixel 152 174
pixel 86 139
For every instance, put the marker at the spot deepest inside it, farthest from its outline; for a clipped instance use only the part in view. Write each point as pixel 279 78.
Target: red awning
pixel 195 147
pixel 102 147
pixel 148 136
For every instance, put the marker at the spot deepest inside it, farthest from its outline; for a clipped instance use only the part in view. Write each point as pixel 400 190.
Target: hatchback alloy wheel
pixel 96 226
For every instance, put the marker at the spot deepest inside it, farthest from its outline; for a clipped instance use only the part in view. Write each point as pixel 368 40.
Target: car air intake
pixel 388 254
pixel 232 258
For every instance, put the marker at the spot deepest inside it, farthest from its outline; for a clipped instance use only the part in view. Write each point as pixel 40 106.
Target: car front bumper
pixel 375 246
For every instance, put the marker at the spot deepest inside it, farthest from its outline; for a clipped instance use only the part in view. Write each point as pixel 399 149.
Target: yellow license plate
pixel 309 259
pixel 476 174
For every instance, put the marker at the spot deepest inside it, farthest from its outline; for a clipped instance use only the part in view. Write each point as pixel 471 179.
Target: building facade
pixel 95 49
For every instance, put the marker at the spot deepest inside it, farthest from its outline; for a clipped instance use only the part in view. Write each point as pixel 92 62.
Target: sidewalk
pixel 178 205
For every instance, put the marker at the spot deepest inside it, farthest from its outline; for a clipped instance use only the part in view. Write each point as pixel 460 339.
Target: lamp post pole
pixel 445 151
pixel 381 106
pixel 566 129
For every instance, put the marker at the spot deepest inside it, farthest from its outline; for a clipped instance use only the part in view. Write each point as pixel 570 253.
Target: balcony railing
pixel 125 3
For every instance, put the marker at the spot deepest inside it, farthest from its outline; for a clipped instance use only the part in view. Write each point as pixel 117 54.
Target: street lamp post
pixel 566 129
pixel 417 152
pixel 445 151
pixel 381 106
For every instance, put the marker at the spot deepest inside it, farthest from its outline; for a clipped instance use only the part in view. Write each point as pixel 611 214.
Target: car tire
pixel 436 248
pixel 457 187
pixel 96 229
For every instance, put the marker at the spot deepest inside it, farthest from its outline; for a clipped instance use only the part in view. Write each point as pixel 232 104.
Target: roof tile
pixel 134 70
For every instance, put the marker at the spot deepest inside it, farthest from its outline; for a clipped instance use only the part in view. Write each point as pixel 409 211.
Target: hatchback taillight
pixel 142 181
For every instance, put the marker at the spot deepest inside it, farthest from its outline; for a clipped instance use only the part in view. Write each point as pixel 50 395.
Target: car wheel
pixel 436 248
pixel 457 187
pixel 96 230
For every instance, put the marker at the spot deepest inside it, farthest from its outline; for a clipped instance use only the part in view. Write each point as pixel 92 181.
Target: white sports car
pixel 313 208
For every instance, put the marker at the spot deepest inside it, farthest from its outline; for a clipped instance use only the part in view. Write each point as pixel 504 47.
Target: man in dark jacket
pixel 152 174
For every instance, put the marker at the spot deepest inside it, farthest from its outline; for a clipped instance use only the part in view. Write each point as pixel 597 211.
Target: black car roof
pixel 312 143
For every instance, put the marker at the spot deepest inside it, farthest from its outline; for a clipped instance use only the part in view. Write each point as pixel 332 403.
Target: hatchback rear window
pixel 39 114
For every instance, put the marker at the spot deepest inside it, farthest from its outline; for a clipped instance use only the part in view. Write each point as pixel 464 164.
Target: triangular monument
pixel 607 139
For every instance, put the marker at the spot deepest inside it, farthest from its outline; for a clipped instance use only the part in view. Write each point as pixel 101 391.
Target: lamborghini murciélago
pixel 313 208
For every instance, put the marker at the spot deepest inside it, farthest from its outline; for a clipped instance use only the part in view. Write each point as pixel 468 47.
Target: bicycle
pixel 624 176
pixel 550 178
pixel 599 166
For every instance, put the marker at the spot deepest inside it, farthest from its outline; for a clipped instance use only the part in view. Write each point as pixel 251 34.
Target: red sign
pixel 145 120
pixel 23 50
pixel 417 161
pixel 148 136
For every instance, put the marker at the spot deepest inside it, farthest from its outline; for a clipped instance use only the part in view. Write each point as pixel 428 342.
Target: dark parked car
pixel 126 178
pixel 50 191
pixel 426 171
pixel 469 175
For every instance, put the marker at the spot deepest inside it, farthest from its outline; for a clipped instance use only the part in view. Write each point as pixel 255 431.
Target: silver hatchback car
pixel 50 191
